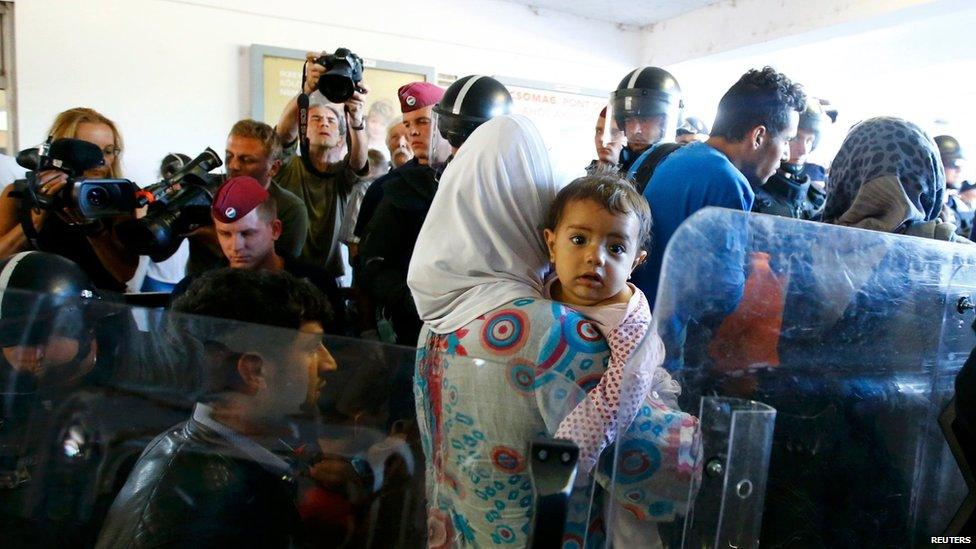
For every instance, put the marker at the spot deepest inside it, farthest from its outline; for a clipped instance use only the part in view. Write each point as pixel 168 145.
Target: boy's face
pixel 594 252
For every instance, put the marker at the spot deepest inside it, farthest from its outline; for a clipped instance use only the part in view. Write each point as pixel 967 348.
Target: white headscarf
pixel 481 245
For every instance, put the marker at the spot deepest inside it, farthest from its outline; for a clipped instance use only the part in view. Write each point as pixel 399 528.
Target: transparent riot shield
pixel 121 423
pixel 684 475
pixel 854 338
pixel 947 482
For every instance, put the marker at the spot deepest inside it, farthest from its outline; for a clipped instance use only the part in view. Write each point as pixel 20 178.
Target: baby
pixel 596 230
pixel 596 233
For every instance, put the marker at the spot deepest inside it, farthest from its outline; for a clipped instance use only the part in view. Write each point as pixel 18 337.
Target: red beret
pixel 236 198
pixel 417 95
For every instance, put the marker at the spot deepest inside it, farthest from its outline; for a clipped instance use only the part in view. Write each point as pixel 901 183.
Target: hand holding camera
pixel 313 71
pixel 336 75
pixel 50 182
pixel 356 107
pixel 57 182
pixel 339 77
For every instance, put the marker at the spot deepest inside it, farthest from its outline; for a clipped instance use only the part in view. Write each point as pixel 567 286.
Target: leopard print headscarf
pixel 886 146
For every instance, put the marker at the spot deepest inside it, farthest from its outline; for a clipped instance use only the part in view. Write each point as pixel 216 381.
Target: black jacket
pixel 374 196
pixel 388 244
pixel 787 195
pixel 627 158
pixel 193 488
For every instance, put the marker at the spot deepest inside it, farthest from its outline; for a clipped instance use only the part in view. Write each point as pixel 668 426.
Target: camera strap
pixel 303 116
pixel 25 206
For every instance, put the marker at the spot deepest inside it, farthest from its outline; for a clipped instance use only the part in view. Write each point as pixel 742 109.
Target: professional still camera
pixel 344 70
pixel 177 205
pixel 88 198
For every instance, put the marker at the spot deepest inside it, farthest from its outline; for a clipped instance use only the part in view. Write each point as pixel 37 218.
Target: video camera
pixel 91 198
pixel 344 70
pixel 177 205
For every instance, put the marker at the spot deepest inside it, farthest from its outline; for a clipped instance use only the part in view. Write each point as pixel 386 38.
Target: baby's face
pixel 594 252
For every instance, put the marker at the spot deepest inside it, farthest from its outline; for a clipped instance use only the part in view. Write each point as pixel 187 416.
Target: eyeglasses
pixel 112 150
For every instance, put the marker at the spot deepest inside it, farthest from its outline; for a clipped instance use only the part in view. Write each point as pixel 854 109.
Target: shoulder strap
pixel 21 192
pixel 649 162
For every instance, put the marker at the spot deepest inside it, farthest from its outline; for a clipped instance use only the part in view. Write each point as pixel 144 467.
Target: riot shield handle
pixel 737 438
pixel 552 468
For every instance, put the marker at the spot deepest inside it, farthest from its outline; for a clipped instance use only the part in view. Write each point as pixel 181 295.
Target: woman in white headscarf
pixel 477 276
pixel 497 365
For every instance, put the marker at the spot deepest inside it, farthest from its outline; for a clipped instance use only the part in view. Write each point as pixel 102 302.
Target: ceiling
pixel 637 13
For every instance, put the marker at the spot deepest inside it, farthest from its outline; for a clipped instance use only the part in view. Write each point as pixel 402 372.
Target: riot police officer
pixel 62 436
pixel 387 246
pixel 468 103
pixel 953 160
pixel 790 192
pixel 647 105
pixel 48 349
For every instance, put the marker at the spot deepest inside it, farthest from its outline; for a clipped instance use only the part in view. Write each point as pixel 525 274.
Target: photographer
pixel 324 180
pixel 92 245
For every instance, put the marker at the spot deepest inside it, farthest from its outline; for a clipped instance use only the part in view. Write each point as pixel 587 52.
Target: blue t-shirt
pixel 691 178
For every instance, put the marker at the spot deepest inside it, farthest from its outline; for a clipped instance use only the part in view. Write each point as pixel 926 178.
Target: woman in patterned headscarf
pixel 864 313
pixel 888 177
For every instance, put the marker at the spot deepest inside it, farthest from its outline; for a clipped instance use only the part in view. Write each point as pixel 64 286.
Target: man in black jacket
pixel 226 477
pixel 392 230
pixel 417 101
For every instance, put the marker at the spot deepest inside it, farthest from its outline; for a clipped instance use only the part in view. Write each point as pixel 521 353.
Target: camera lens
pixel 337 86
pixel 97 196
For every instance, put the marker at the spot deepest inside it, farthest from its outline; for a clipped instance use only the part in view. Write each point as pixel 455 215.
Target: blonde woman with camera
pixel 94 246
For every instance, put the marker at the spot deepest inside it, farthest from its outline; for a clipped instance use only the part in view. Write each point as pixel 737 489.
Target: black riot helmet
pixel 949 150
pixel 648 92
pixel 41 295
pixel 468 103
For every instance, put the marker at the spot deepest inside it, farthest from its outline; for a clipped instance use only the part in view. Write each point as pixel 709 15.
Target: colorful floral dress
pixel 484 391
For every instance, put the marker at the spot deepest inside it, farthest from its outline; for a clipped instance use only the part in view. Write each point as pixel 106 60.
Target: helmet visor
pixel 646 116
pixel 438 148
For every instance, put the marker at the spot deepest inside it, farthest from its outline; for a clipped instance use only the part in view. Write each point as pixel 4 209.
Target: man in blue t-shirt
pixel 756 120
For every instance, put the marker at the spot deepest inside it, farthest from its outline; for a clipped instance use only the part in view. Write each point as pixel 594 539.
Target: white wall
pixel 174 74
pixel 732 24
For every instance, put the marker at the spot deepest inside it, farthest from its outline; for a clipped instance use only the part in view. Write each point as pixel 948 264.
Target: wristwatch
pixel 360 127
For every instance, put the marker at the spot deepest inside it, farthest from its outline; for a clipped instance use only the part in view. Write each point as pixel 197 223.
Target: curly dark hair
pixel 258 297
pixel 760 98
pixel 248 298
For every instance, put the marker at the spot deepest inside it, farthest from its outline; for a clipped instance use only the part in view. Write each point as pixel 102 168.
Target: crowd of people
pixel 464 245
